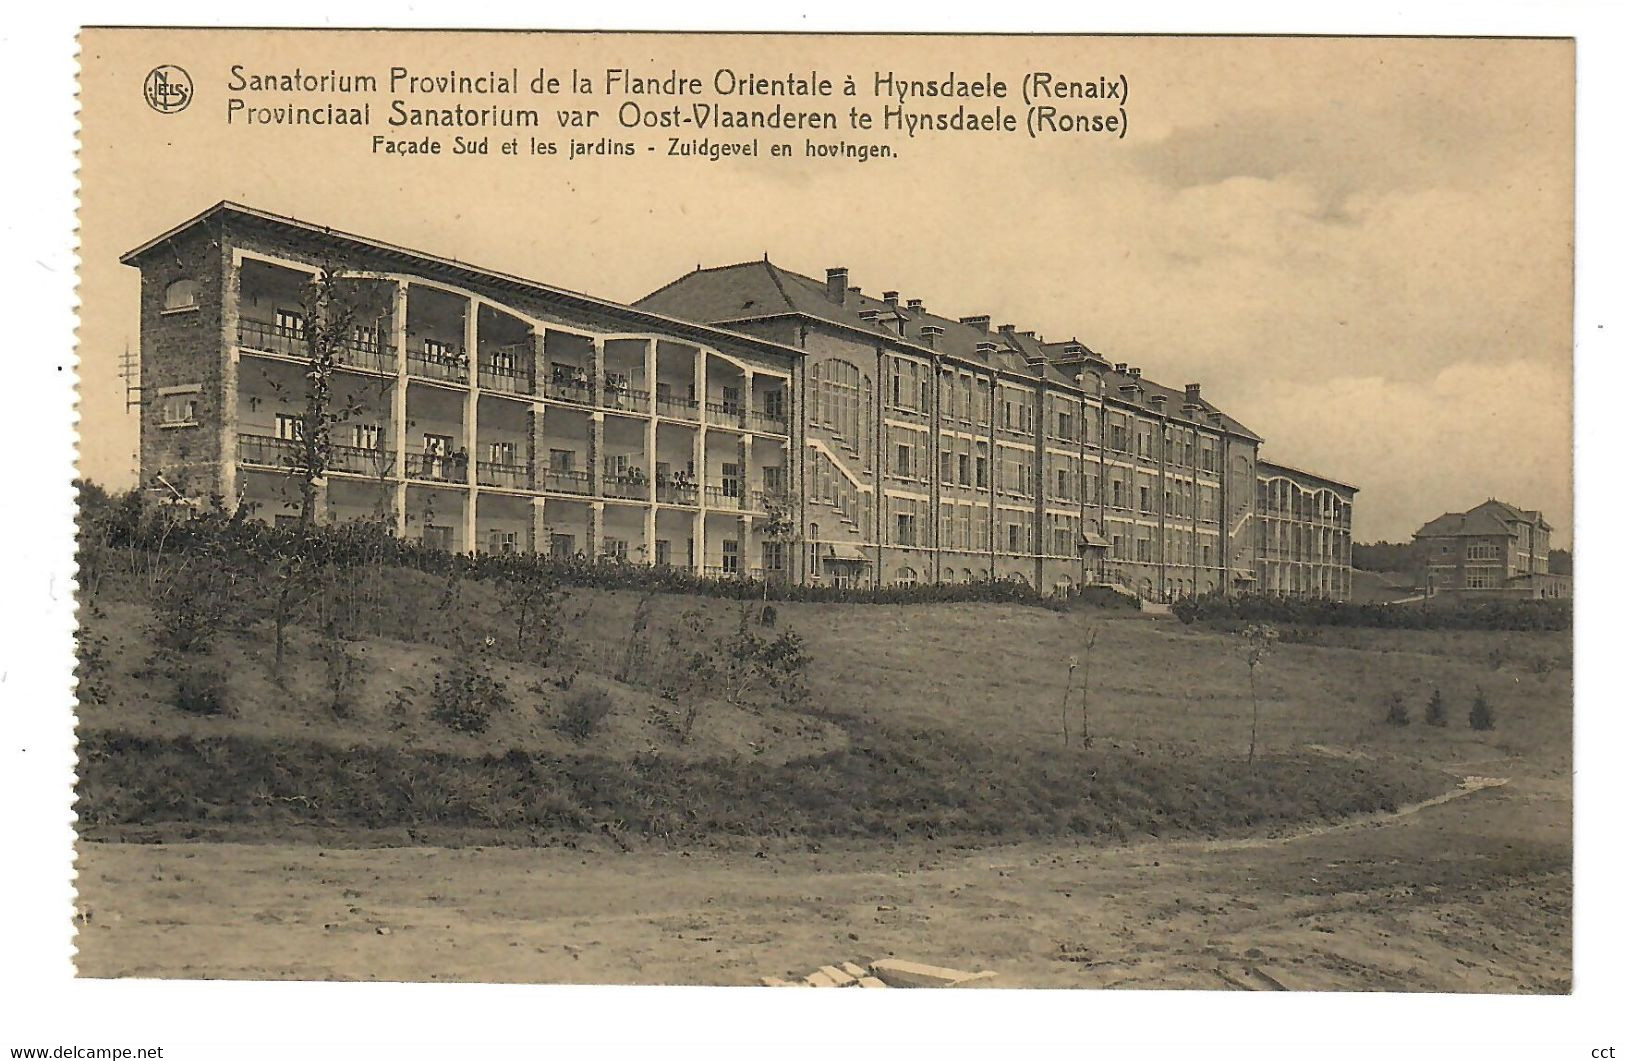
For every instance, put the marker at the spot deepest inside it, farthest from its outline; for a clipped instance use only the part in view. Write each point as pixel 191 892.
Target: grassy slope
pixel 934 718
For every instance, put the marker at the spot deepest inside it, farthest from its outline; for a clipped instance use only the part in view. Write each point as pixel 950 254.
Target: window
pixel 561 546
pixel 290 427
pixel 905 529
pixel 615 549
pixel 501 541
pixel 437 445
pixel 1064 428
pixel 834 402
pixel 730 556
pixel 981 469
pixel 561 460
pixel 437 351
pixel 364 436
pixel 436 537
pixel 178 410
pixel 1016 543
pixel 946 471
pixel 730 397
pixel 964 470
pixel 773 405
pixel 906 576
pixel 502 453
pixel 290 323
pixel 773 481
pixel 1483 552
pixel 662 552
pixel 773 556
pixel 905 461
pixel 730 480
pixel 182 294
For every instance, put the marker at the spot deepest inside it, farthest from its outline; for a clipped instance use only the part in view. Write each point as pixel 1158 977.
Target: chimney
pixel 916 305
pixel 1130 391
pixel 854 290
pixel 870 315
pixel 1134 373
pixel 1121 368
pixel 1193 394
pixel 980 323
pixel 1159 403
pixel 929 333
pixel 891 298
pixel 1007 329
pixel 986 348
pixel 1072 350
pixel 835 284
pixel 1028 334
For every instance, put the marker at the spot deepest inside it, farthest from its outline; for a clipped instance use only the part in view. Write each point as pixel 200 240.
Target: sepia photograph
pixel 825 510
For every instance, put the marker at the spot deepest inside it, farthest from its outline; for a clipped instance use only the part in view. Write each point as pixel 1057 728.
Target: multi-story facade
pixel 944 449
pixel 492 413
pixel 484 412
pixel 1305 542
pixel 1491 550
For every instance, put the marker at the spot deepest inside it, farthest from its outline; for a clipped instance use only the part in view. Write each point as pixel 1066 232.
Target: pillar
pixel 397 408
pixel 471 425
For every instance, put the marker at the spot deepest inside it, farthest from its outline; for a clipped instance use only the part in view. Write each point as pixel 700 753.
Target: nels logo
pixel 168 89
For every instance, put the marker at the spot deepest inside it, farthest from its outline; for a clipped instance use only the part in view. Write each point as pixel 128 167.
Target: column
pixel 595 528
pixel 538 524
pixel 397 409
pixel 471 425
pixel 228 427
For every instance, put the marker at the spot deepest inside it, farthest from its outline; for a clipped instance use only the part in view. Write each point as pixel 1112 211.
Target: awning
pixel 850 553
pixel 1095 541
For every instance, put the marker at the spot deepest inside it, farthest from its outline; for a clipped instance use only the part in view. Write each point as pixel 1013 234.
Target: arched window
pixel 182 294
pixel 905 577
pixel 836 401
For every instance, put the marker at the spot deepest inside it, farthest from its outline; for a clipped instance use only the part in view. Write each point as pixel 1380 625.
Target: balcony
pixel 506 374
pixel 570 386
pixel 726 570
pixel 508 476
pixel 626 487
pixel 369 355
pixel 437 364
pixel 725 414
pixel 618 395
pixel 566 481
pixel 677 408
pixel 263 451
pixel 725 496
pixel 771 423
pixel 677 493
pixel 437 468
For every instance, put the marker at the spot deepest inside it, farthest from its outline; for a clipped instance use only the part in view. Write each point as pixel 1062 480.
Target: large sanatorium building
pixel 487 412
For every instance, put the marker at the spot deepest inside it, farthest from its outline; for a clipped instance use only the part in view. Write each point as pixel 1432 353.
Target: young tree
pixel 1398 713
pixel 779 527
pixel 1435 710
pixel 1088 658
pixel 1481 718
pixel 1260 639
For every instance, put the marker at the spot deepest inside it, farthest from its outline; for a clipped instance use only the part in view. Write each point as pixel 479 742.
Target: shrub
pixel 1435 711
pixel 1481 718
pixel 1298 612
pixel 465 695
pixel 585 710
pixel 201 690
pixel 1398 713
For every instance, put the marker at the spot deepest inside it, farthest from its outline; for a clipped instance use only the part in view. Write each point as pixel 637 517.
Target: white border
pixel 41 1004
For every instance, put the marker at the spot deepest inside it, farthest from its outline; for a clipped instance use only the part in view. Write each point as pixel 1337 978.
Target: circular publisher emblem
pixel 168 89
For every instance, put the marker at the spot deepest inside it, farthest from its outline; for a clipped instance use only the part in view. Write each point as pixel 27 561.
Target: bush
pixel 1300 612
pixel 1435 711
pixel 465 696
pixel 1398 713
pixel 584 712
pixel 1481 718
pixel 201 691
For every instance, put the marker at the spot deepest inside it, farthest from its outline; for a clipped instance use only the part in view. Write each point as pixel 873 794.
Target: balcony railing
pixel 507 378
pixel 567 481
pixel 768 499
pixel 570 390
pixel 267 452
pixel 360 353
pixel 678 408
pixel 437 468
pixel 723 497
pixel 773 423
pixel 724 570
pixel 677 493
pixel 630 399
pixel 727 414
pixel 511 476
pixel 627 487
pixel 432 364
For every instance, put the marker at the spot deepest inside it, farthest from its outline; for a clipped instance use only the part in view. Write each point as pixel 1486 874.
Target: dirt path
pixel 1467 893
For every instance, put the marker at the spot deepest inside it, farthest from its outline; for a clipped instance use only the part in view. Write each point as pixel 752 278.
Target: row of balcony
pixel 265 451
pixel 505 370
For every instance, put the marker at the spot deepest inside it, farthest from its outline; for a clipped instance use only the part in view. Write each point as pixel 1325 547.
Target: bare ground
pixel 1471 894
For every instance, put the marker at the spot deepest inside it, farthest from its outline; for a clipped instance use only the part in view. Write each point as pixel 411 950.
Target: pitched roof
pixel 754 290
pixel 1490 519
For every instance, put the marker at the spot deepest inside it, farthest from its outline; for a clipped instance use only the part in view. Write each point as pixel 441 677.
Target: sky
pixel 1361 249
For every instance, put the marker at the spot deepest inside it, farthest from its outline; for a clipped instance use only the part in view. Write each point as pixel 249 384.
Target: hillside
pixel 903 719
